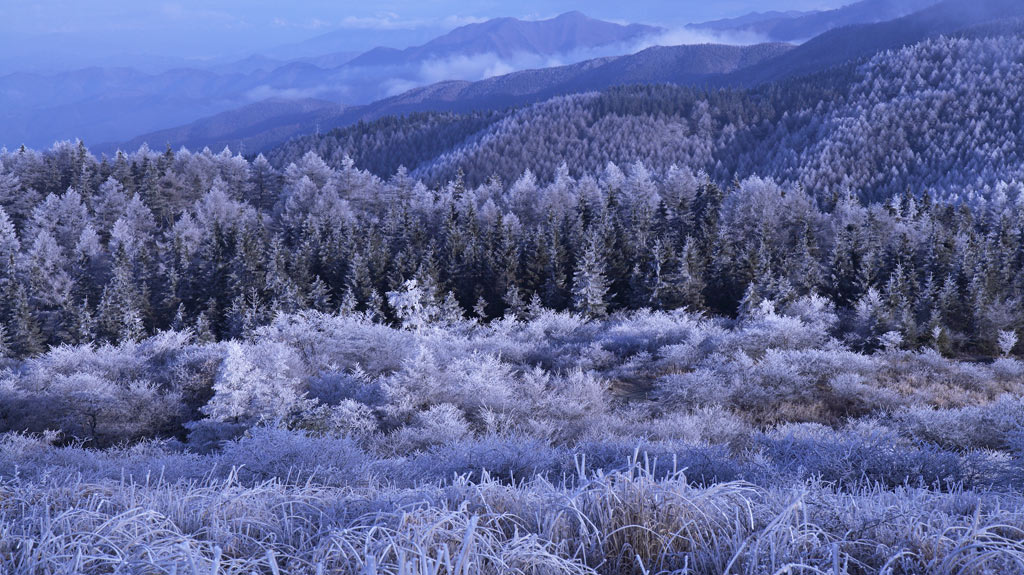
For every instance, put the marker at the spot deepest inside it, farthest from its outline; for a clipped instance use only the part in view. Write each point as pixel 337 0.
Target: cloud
pixel 468 67
pixel 366 84
pixel 681 36
pixel 481 66
pixel 387 21
pixel 266 92
pixel 396 86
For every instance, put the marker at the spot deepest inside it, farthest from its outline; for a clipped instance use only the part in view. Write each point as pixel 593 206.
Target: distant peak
pixel 572 15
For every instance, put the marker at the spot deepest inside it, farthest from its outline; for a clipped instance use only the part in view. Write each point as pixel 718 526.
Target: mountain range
pixel 707 66
pixel 795 26
pixel 115 104
pixel 261 101
pixel 256 128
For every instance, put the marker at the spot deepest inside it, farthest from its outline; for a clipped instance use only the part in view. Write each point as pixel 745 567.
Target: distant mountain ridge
pixel 507 37
pixel 116 104
pixel 253 127
pixel 690 64
pixel 712 66
pixel 857 42
pixel 794 26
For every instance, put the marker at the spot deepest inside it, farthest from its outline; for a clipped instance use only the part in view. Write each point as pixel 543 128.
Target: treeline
pixel 113 250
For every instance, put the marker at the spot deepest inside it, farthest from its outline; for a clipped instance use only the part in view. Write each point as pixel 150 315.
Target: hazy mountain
pixel 849 43
pixel 252 127
pixel 353 41
pixel 115 104
pixel 755 21
pixel 698 65
pixel 688 65
pixel 798 26
pixel 510 37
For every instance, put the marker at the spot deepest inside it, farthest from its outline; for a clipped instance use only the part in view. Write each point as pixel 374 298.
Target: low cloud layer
pixel 363 85
pixel 487 65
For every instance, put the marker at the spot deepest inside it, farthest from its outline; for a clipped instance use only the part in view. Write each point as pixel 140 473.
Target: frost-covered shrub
pixel 36 457
pixel 766 328
pixel 87 407
pixel 701 464
pixel 712 425
pixel 987 426
pixel 1008 370
pixel 267 452
pixel 332 388
pixel 816 312
pixel 700 387
pixel 112 362
pixel 642 331
pixel 708 340
pixel 852 395
pixel 346 417
pixel 559 408
pixel 471 384
pixel 437 425
pixel 503 457
pixel 873 454
pixel 256 382
pixel 339 342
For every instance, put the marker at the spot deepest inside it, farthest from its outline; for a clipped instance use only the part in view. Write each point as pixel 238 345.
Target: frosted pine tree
pixel 589 284
pixel 253 384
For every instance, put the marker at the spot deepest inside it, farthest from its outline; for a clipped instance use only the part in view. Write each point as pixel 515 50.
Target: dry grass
pixel 618 523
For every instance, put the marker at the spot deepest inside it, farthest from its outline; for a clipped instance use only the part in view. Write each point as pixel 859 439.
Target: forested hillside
pixel 112 251
pixel 942 116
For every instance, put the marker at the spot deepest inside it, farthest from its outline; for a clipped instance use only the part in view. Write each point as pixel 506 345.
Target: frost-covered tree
pixel 589 284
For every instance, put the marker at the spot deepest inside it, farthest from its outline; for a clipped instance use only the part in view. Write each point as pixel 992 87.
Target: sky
pixel 45 34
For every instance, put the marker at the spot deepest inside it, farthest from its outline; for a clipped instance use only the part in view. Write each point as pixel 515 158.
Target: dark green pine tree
pixel 554 289
pixel 26 338
pixel 804 267
pixel 122 306
pixel 691 276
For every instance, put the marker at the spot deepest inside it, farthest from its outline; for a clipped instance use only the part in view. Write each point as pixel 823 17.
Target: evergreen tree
pixel 589 284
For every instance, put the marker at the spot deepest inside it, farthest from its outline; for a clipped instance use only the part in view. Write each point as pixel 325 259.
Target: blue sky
pixel 40 32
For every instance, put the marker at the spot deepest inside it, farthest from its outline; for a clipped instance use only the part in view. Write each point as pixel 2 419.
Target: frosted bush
pixel 703 386
pixel 346 417
pixel 700 426
pixel 440 424
pixel 1006 340
pixel 767 329
pixel 256 382
pixel 334 387
pixel 332 343
pixel 564 407
pixel 273 453
pixel 504 457
pixel 871 453
pixel 974 427
pixel 88 407
pixel 850 394
pixel 471 384
pixel 816 312
pixel 1008 370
